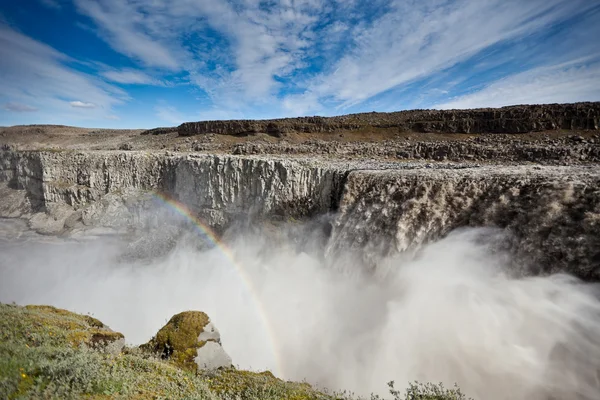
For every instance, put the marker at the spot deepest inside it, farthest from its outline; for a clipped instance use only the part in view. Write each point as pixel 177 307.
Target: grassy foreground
pixel 50 353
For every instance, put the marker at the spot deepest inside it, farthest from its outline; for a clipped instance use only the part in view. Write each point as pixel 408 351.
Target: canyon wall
pixel 114 188
pixel 551 215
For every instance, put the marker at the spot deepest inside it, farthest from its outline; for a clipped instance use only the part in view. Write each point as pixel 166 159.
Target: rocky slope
pixel 514 119
pixel 551 213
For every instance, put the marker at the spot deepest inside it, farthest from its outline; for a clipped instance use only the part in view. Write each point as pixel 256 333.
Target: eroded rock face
pixel 191 341
pixel 551 216
pixel 514 119
pixel 223 188
pixel 62 191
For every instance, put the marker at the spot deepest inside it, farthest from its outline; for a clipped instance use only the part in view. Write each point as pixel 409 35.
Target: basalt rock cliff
pixel 551 215
pixel 513 119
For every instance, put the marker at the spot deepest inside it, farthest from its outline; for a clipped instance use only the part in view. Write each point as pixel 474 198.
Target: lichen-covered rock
pixel 191 341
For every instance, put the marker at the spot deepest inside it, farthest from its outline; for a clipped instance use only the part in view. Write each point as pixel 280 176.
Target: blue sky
pixel 148 63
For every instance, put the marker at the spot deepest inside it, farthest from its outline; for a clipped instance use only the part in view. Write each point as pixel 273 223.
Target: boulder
pixel 191 341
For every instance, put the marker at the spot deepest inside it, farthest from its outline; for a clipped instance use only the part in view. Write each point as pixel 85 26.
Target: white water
pixel 453 314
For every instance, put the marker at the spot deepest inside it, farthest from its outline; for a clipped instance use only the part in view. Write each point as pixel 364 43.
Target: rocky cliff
pixel 114 188
pixel 552 214
pixel 513 119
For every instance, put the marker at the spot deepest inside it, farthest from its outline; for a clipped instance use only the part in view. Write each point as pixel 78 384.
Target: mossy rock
pixel 75 329
pixel 181 338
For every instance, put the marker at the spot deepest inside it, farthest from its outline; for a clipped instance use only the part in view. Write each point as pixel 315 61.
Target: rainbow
pixel 208 234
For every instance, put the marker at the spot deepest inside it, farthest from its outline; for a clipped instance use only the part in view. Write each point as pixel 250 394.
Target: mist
pixel 453 313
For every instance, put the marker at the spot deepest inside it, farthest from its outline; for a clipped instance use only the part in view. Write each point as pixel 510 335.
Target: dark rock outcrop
pixel 566 150
pixel 159 131
pixel 513 119
pixel 275 127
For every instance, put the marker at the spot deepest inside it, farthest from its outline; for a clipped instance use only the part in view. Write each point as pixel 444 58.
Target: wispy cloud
pixel 256 59
pixel 310 56
pixel 18 107
pixel 132 77
pixel 81 104
pixel 35 74
pixel 418 39
pixel 125 24
pixel 563 83
pixel 257 44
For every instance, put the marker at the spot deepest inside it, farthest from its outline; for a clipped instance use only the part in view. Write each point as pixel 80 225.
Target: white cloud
pixel 302 104
pixel 261 44
pixel 18 107
pixel 39 76
pixel 418 39
pixel 124 24
pixel 129 76
pixel 81 104
pixel 360 58
pixel 563 83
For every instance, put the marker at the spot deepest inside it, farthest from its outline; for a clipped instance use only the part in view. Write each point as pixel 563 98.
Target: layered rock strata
pixel 513 119
pixel 116 188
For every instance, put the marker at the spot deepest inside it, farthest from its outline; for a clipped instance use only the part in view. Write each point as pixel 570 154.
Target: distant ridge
pixel 510 119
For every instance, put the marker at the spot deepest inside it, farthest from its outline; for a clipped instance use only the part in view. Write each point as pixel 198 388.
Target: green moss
pixel 74 329
pixel 178 339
